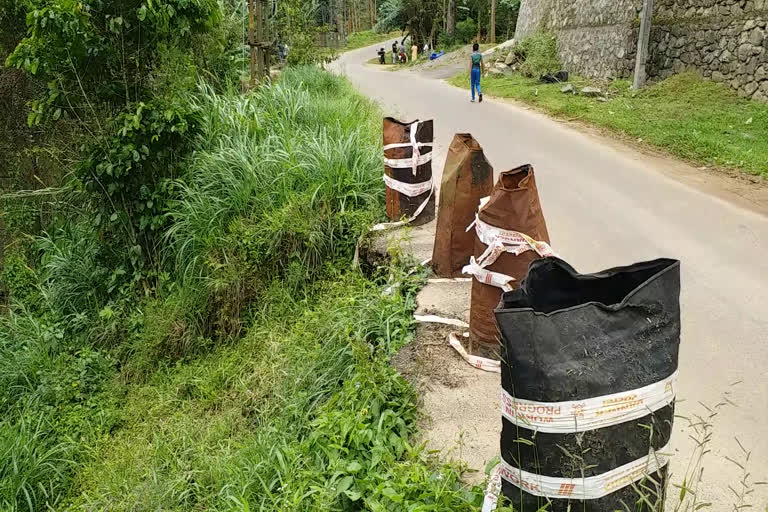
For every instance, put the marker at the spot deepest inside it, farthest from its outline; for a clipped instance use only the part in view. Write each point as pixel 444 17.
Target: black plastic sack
pixel 571 337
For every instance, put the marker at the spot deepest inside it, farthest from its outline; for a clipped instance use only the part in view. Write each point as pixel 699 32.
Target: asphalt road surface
pixel 607 205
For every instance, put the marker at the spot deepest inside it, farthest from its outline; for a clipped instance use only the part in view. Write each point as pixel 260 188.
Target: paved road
pixel 609 205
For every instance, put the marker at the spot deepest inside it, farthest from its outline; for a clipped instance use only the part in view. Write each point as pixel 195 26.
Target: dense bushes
pixel 244 352
pixel 183 330
pixel 538 54
pixel 466 31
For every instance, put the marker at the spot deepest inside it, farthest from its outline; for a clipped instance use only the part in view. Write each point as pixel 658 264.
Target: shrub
pixel 74 276
pixel 540 55
pixel 466 30
pixel 20 281
pixel 291 184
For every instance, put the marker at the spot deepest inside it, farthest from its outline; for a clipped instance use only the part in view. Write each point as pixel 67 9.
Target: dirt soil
pixel 461 403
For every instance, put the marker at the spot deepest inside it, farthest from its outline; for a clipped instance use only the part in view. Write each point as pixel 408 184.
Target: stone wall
pixel 724 40
pixel 595 37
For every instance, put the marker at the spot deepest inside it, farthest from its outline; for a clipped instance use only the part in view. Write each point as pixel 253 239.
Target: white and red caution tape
pixel 493 490
pixel 499 241
pixel 589 488
pixel 488 277
pixel 408 189
pixel 434 319
pixel 438 280
pixel 391 225
pixel 408 163
pixel 590 413
pixel 481 363
pixel 416 158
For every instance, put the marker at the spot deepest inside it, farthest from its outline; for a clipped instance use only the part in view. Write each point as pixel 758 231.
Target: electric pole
pixel 646 20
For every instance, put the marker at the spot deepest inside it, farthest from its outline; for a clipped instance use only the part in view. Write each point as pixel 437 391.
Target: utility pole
pixel 646 20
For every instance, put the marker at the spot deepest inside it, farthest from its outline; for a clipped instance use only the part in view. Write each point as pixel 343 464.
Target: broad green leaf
pixel 344 484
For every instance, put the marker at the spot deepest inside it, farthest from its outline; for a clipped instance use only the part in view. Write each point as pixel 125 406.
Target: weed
pixel 539 55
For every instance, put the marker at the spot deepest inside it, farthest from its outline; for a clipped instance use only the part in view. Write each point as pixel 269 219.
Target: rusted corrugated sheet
pixel 513 206
pixel 467 178
pixel 399 205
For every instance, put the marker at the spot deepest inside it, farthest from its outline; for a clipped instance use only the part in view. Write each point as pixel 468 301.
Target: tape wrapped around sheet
pixel 513 206
pixel 568 338
pixel 408 160
pixel 467 178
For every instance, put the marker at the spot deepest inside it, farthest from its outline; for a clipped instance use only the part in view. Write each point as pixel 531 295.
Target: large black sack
pixel 568 337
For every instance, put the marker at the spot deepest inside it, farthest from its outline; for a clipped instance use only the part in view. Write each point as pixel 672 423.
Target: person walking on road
pixel 394 52
pixel 414 52
pixel 476 70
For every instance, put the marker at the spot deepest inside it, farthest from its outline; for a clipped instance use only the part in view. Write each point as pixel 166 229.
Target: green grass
pixel 357 40
pixel 686 116
pixel 256 374
pixel 304 413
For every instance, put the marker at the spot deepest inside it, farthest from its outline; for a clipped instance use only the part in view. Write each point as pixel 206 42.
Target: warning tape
pixel 499 241
pixel 409 189
pixel 407 145
pixel 488 277
pixel 416 158
pixel 493 490
pixel 503 240
pixel 434 319
pixel 589 488
pixel 391 225
pixel 481 363
pixel 450 280
pixel 591 413
pixel 408 163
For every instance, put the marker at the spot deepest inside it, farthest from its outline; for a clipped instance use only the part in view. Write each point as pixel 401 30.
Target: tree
pixel 493 21
pixel 450 25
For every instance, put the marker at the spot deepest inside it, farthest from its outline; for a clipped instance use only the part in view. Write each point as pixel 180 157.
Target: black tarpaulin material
pixel 570 337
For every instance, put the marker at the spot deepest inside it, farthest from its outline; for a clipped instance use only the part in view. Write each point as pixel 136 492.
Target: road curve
pixel 609 205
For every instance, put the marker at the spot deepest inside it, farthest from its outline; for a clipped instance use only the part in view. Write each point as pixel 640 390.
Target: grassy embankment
pixel 256 375
pixel 686 116
pixel 369 37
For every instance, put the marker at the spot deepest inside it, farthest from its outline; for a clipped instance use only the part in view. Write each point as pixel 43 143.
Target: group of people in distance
pixel 399 55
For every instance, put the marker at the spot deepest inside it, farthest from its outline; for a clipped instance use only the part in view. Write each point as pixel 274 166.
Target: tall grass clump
pixel 286 175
